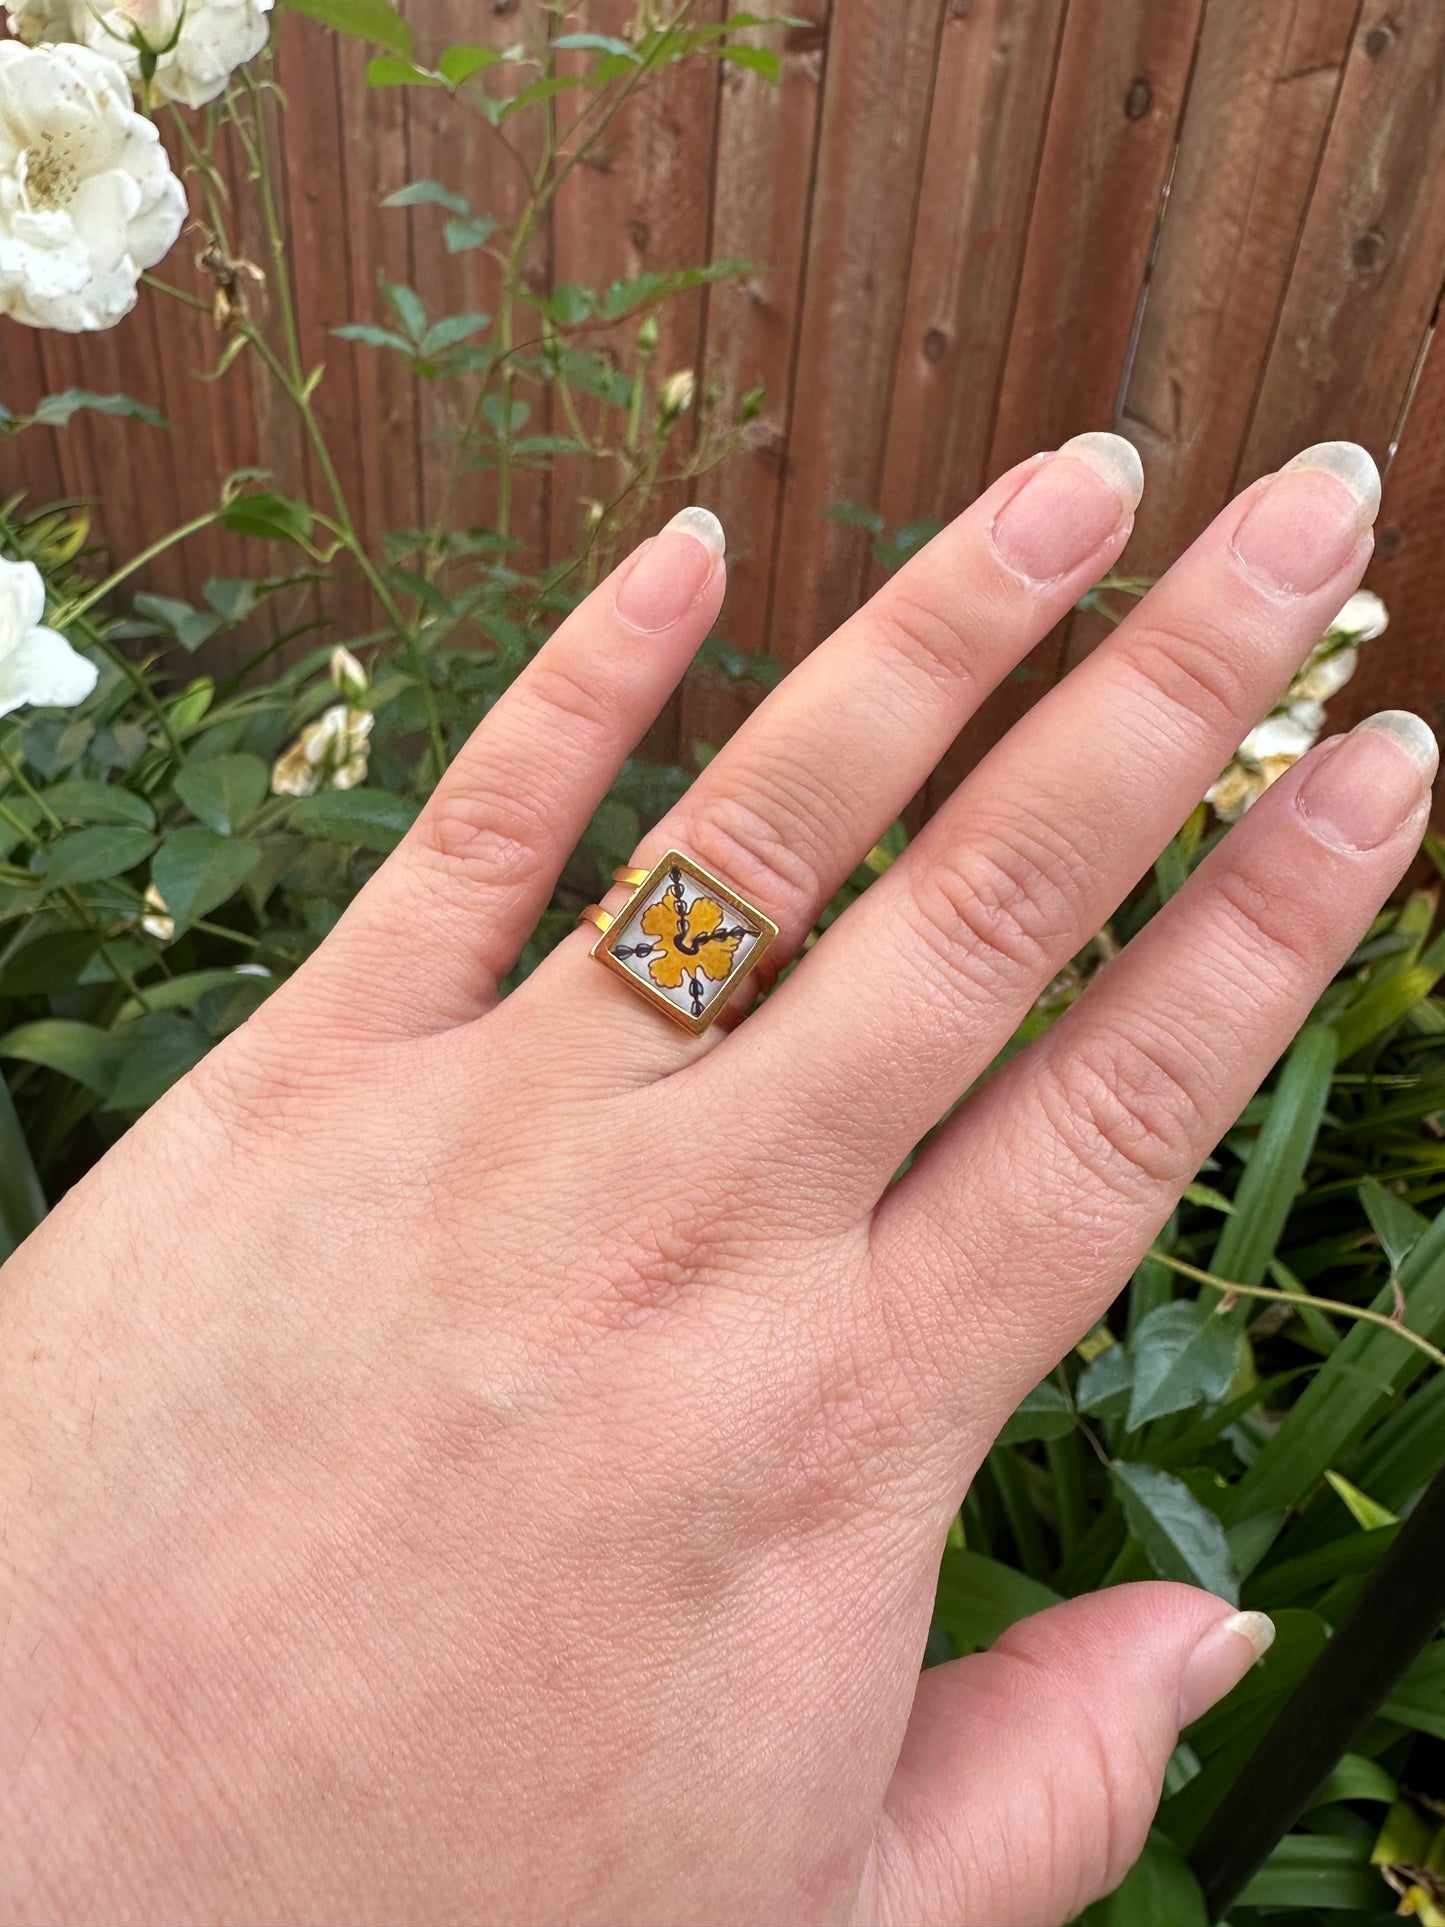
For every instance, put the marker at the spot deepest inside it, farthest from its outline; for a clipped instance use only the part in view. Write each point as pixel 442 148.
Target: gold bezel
pixel 767 932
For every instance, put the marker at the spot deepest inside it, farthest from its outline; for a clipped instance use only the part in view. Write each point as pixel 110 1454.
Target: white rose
pixel 1277 736
pixel 37 665
pixel 198 44
pixel 87 196
pixel 1363 617
pixel 1320 679
pixel 331 753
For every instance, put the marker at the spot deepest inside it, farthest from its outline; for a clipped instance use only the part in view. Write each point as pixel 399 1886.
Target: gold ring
pixel 683 940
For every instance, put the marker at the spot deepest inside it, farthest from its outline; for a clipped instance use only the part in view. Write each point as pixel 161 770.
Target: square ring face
pixel 685 941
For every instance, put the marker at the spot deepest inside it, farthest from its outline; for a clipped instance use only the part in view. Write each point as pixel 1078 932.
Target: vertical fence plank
pixel 1118 92
pixel 1259 109
pixel 766 140
pixel 858 249
pixel 1372 254
pixel 641 201
pixel 990 109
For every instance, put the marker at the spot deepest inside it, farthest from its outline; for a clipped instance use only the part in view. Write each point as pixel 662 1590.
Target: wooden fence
pixel 985 225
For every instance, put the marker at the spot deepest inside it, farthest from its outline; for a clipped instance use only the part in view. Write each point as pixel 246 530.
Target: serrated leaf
pixel 85 799
pixel 370 20
pixel 447 333
pixel 269 518
pixel 1183 1356
pixel 406 304
pixel 1106 1378
pixel 196 870
pixel 373 819
pixel 1180 1537
pixel 223 792
pixel 94 855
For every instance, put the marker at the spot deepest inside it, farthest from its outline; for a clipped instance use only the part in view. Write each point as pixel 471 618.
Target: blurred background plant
pixel 174 843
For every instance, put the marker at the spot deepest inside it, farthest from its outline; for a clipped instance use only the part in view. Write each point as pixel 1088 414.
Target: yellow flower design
pixel 692 949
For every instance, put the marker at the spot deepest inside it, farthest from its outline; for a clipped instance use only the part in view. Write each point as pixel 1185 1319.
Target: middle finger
pixel 911 994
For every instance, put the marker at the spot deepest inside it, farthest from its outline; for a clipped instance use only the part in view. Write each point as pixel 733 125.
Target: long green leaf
pixel 1276 1167
pixel 1351 1390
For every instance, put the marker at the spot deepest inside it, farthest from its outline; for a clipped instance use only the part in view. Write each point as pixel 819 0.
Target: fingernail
pixel 1373 783
pixel 672 571
pixel 1305 524
pixel 1069 506
pixel 1221 1660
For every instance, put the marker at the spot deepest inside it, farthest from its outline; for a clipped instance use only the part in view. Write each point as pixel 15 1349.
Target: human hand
pixel 477 1459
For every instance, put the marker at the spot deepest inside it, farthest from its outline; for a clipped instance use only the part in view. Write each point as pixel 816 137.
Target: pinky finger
pixel 445 917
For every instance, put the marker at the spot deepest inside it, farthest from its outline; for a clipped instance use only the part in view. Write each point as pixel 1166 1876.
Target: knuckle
pixel 587 703
pixel 1197 677
pixel 998 912
pixel 1125 1113
pixel 1264 926
pixel 764 842
pixel 482 835
pixel 926 638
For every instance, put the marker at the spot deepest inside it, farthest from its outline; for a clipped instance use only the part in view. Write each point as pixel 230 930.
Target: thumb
pixel 1029 1774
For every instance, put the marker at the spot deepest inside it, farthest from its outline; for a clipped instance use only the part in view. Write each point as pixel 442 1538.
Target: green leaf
pixel 1105 1380
pixel 1276 1167
pixel 1317 1873
pixel 54 411
pixel 373 337
pixel 1357 1778
pixel 1398 1227
pixel 470 231
pixel 269 518
pixel 458 64
pixel 154 1052
pixel 83 1052
pixel 602 43
pixel 195 870
pixel 85 799
pixel 417 193
pixel 374 819
pixel 1383 1006
pixel 387 70
pixel 22 1202
pixel 370 20
pixel 95 855
pixel 1419 1700
pixel 1179 1537
pixel 1044 1414
pixel 181 993
pixel 446 334
pixel 406 304
pixel 1158 1891
pixel 1184 1355
pixel 1366 1512
pixel 223 792
pixel 978 1598
pixel 761 60
pixel 1367 1369
pixel 190 627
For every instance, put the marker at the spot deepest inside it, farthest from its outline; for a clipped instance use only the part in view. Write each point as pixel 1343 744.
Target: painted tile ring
pixel 683 940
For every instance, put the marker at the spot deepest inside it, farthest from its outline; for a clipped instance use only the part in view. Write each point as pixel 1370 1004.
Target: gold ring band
pixel 683 940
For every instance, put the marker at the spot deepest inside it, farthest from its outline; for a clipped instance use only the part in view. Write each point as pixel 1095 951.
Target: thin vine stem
pixel 1362 1313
